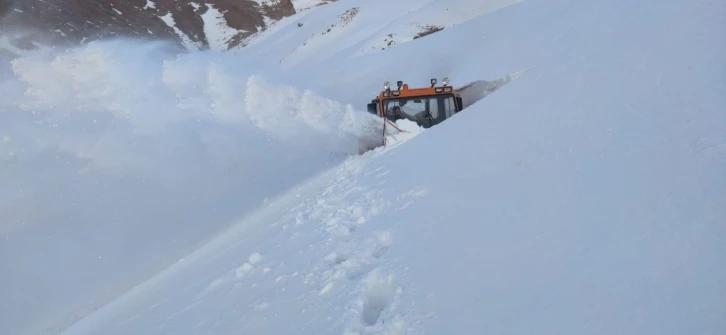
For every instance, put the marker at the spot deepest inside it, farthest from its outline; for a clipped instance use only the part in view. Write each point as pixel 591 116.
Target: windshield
pixel 426 111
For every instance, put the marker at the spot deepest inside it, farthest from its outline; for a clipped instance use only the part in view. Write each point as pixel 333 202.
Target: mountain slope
pixel 585 196
pixel 195 25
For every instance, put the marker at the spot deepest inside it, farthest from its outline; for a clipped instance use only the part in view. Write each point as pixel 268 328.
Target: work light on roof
pixel 386 85
pixel 446 81
pixel 433 82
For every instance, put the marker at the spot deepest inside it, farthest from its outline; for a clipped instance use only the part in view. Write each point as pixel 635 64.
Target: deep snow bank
pixel 585 197
pixel 118 157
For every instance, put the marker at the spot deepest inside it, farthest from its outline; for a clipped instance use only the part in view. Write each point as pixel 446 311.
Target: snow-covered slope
pixel 585 196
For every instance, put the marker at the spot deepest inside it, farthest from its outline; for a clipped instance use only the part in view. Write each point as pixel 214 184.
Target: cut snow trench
pixel 480 89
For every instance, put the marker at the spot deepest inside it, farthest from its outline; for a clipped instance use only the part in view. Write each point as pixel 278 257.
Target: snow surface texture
pixel 587 196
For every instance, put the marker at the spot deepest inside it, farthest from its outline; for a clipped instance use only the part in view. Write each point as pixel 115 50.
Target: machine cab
pixel 426 106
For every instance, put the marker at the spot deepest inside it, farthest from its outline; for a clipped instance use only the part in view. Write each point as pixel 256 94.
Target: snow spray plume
pixel 122 148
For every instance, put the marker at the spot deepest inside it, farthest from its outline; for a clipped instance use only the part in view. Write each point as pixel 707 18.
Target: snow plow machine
pixel 425 106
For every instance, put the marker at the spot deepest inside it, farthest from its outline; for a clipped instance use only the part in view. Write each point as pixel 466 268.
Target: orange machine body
pixel 379 105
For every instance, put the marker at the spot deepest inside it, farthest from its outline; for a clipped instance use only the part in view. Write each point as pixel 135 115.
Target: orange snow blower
pixel 426 106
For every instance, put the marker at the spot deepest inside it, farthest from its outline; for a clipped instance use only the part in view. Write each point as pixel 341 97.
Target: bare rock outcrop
pixel 30 22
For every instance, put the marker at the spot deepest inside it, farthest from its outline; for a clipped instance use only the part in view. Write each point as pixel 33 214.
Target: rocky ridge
pixel 194 24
